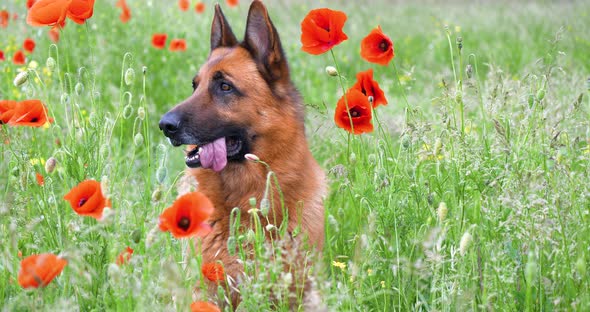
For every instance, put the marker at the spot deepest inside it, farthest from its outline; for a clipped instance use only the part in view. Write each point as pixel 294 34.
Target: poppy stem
pixel 345 102
pixel 401 87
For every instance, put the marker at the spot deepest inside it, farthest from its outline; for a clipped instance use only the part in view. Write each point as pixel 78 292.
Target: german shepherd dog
pixel 244 102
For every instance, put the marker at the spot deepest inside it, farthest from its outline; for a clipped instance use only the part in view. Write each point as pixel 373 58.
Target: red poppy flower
pixel 231 3
pixel 360 111
pixel 30 3
pixel 184 4
pixel 40 179
pixel 18 58
pixel 87 199
pixel 80 10
pixel 124 256
pixel 40 270
pixel 187 216
pixel 54 34
pixel 321 30
pixel 2 58
pixel 4 18
pixel 213 271
pixel 177 45
pixel 48 12
pixel 29 113
pixel 377 48
pixel 370 87
pixel 6 110
pixel 29 45
pixel 200 7
pixel 125 12
pixel 203 306
pixel 159 40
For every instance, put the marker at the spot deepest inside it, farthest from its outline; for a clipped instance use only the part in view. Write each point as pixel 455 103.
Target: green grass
pixel 515 177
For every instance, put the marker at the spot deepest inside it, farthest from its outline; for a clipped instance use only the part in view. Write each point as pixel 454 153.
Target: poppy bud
pixel 252 157
pixel 252 202
pixel 469 71
pixel 136 236
pixel 460 43
pixel 250 236
pixel 50 63
pixel 64 99
pixel 144 70
pixel 459 96
pixel 141 113
pixel 264 206
pixel 138 139
pixel 50 165
pixel 464 243
pixel 21 78
pixel 79 88
pixel 531 100
pixel 541 94
pixel 129 76
pixel 442 211
pixel 231 243
pixel 332 71
pixel 127 111
pixel 270 227
pixel 161 174
pixel 156 195
pixel 406 141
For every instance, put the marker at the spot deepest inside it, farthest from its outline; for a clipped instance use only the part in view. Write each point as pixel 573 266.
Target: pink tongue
pixel 214 155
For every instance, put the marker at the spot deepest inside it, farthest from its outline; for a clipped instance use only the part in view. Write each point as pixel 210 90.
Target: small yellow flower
pixel 370 272
pixel 340 265
pixel 457 28
pixel 33 65
pixel 37 161
pixel 382 284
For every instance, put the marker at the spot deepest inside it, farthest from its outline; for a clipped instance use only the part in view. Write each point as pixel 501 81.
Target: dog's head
pixel 238 96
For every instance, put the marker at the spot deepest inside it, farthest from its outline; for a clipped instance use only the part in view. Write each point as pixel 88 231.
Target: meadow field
pixel 471 193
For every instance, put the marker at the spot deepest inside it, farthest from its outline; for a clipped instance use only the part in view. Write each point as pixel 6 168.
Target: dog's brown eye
pixel 225 87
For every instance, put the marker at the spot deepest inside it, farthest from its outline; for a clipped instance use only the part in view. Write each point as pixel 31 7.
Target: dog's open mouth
pixel 215 155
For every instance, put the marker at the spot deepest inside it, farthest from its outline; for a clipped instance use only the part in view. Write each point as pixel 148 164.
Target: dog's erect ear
pixel 221 33
pixel 262 40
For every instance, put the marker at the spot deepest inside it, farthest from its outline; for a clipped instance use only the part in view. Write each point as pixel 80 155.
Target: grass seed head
pixel 465 242
pixel 442 211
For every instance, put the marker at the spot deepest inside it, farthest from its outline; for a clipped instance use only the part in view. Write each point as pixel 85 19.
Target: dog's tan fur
pixel 272 111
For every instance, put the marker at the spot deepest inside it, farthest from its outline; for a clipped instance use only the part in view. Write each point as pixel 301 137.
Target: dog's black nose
pixel 170 123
